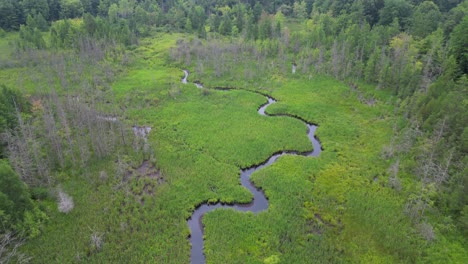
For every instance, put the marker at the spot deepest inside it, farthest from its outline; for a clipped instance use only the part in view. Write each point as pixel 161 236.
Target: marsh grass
pixel 201 139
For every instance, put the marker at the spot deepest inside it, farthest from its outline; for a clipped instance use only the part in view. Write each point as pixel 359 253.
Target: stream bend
pixel 259 202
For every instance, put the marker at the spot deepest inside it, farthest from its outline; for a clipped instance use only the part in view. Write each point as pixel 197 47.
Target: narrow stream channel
pixel 184 80
pixel 259 202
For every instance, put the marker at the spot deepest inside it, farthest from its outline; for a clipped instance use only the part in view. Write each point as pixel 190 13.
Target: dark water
pixel 259 202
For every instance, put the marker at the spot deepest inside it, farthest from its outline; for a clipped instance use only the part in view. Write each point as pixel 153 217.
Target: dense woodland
pixel 76 75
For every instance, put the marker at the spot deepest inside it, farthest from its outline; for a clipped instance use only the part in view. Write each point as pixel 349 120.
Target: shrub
pixel 96 242
pixel 65 202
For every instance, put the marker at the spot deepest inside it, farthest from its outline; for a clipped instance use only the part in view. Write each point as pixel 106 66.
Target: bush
pixel 39 193
pixel 65 202
pixel 14 198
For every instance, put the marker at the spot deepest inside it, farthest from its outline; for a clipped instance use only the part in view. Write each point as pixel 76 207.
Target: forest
pixel 121 119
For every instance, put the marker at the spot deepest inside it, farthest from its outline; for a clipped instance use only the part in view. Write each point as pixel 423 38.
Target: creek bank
pixel 259 202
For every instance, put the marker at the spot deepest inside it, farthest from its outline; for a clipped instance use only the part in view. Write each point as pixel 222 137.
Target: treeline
pixel 126 20
pixel 225 17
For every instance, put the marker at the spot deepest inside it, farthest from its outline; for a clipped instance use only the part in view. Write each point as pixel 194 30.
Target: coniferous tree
pixel 458 44
pixel 425 19
pixel 14 198
pixel 225 27
pixel 300 10
pixel 71 9
pixel 396 9
pixel 11 14
pixel 257 12
pixel 31 7
pixel 54 10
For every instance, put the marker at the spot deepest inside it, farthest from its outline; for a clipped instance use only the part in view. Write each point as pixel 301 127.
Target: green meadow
pixel 328 209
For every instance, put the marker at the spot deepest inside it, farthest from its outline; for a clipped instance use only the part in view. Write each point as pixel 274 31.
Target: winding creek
pixel 259 202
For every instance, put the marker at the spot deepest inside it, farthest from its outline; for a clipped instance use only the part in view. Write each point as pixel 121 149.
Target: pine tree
pixel 425 19
pixel 31 7
pixel 458 44
pixel 11 13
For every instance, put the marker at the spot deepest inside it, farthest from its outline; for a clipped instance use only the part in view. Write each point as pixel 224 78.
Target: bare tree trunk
pixel 335 60
pixel 52 134
pixel 9 249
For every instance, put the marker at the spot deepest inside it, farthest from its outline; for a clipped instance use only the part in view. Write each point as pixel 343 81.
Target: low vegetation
pixel 388 93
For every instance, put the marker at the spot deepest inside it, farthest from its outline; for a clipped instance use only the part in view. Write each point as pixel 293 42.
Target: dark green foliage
pixel 90 6
pixel 257 11
pixel 12 104
pixel 54 9
pixel 63 34
pixel 446 5
pixel 31 38
pixel 441 104
pixel 14 198
pixel 225 26
pixel 372 10
pixel 89 24
pixel 459 47
pixel 425 19
pixel 11 14
pixel 71 9
pixel 31 7
pixel 239 17
pixel 341 6
pixel 396 9
pixel 37 21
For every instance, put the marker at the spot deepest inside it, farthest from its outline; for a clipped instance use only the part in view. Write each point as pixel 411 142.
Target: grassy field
pixel 327 209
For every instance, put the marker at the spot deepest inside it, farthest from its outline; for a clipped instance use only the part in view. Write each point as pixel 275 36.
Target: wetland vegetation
pixel 106 153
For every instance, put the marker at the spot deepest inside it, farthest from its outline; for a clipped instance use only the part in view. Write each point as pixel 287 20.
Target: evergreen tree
pixel 239 12
pixel 265 27
pixel 90 6
pixel 14 198
pixel 11 14
pixel 257 12
pixel 188 25
pixel 215 22
pixel 425 19
pixel 396 9
pixel 11 102
pixel 459 46
pixel 31 7
pixel 31 38
pixel 300 10
pixel 71 9
pixel 225 27
pixel 54 10
pixel 37 21
pixel 201 32
pixel 197 17
pixel 89 24
pixel 372 9
pixel 112 13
